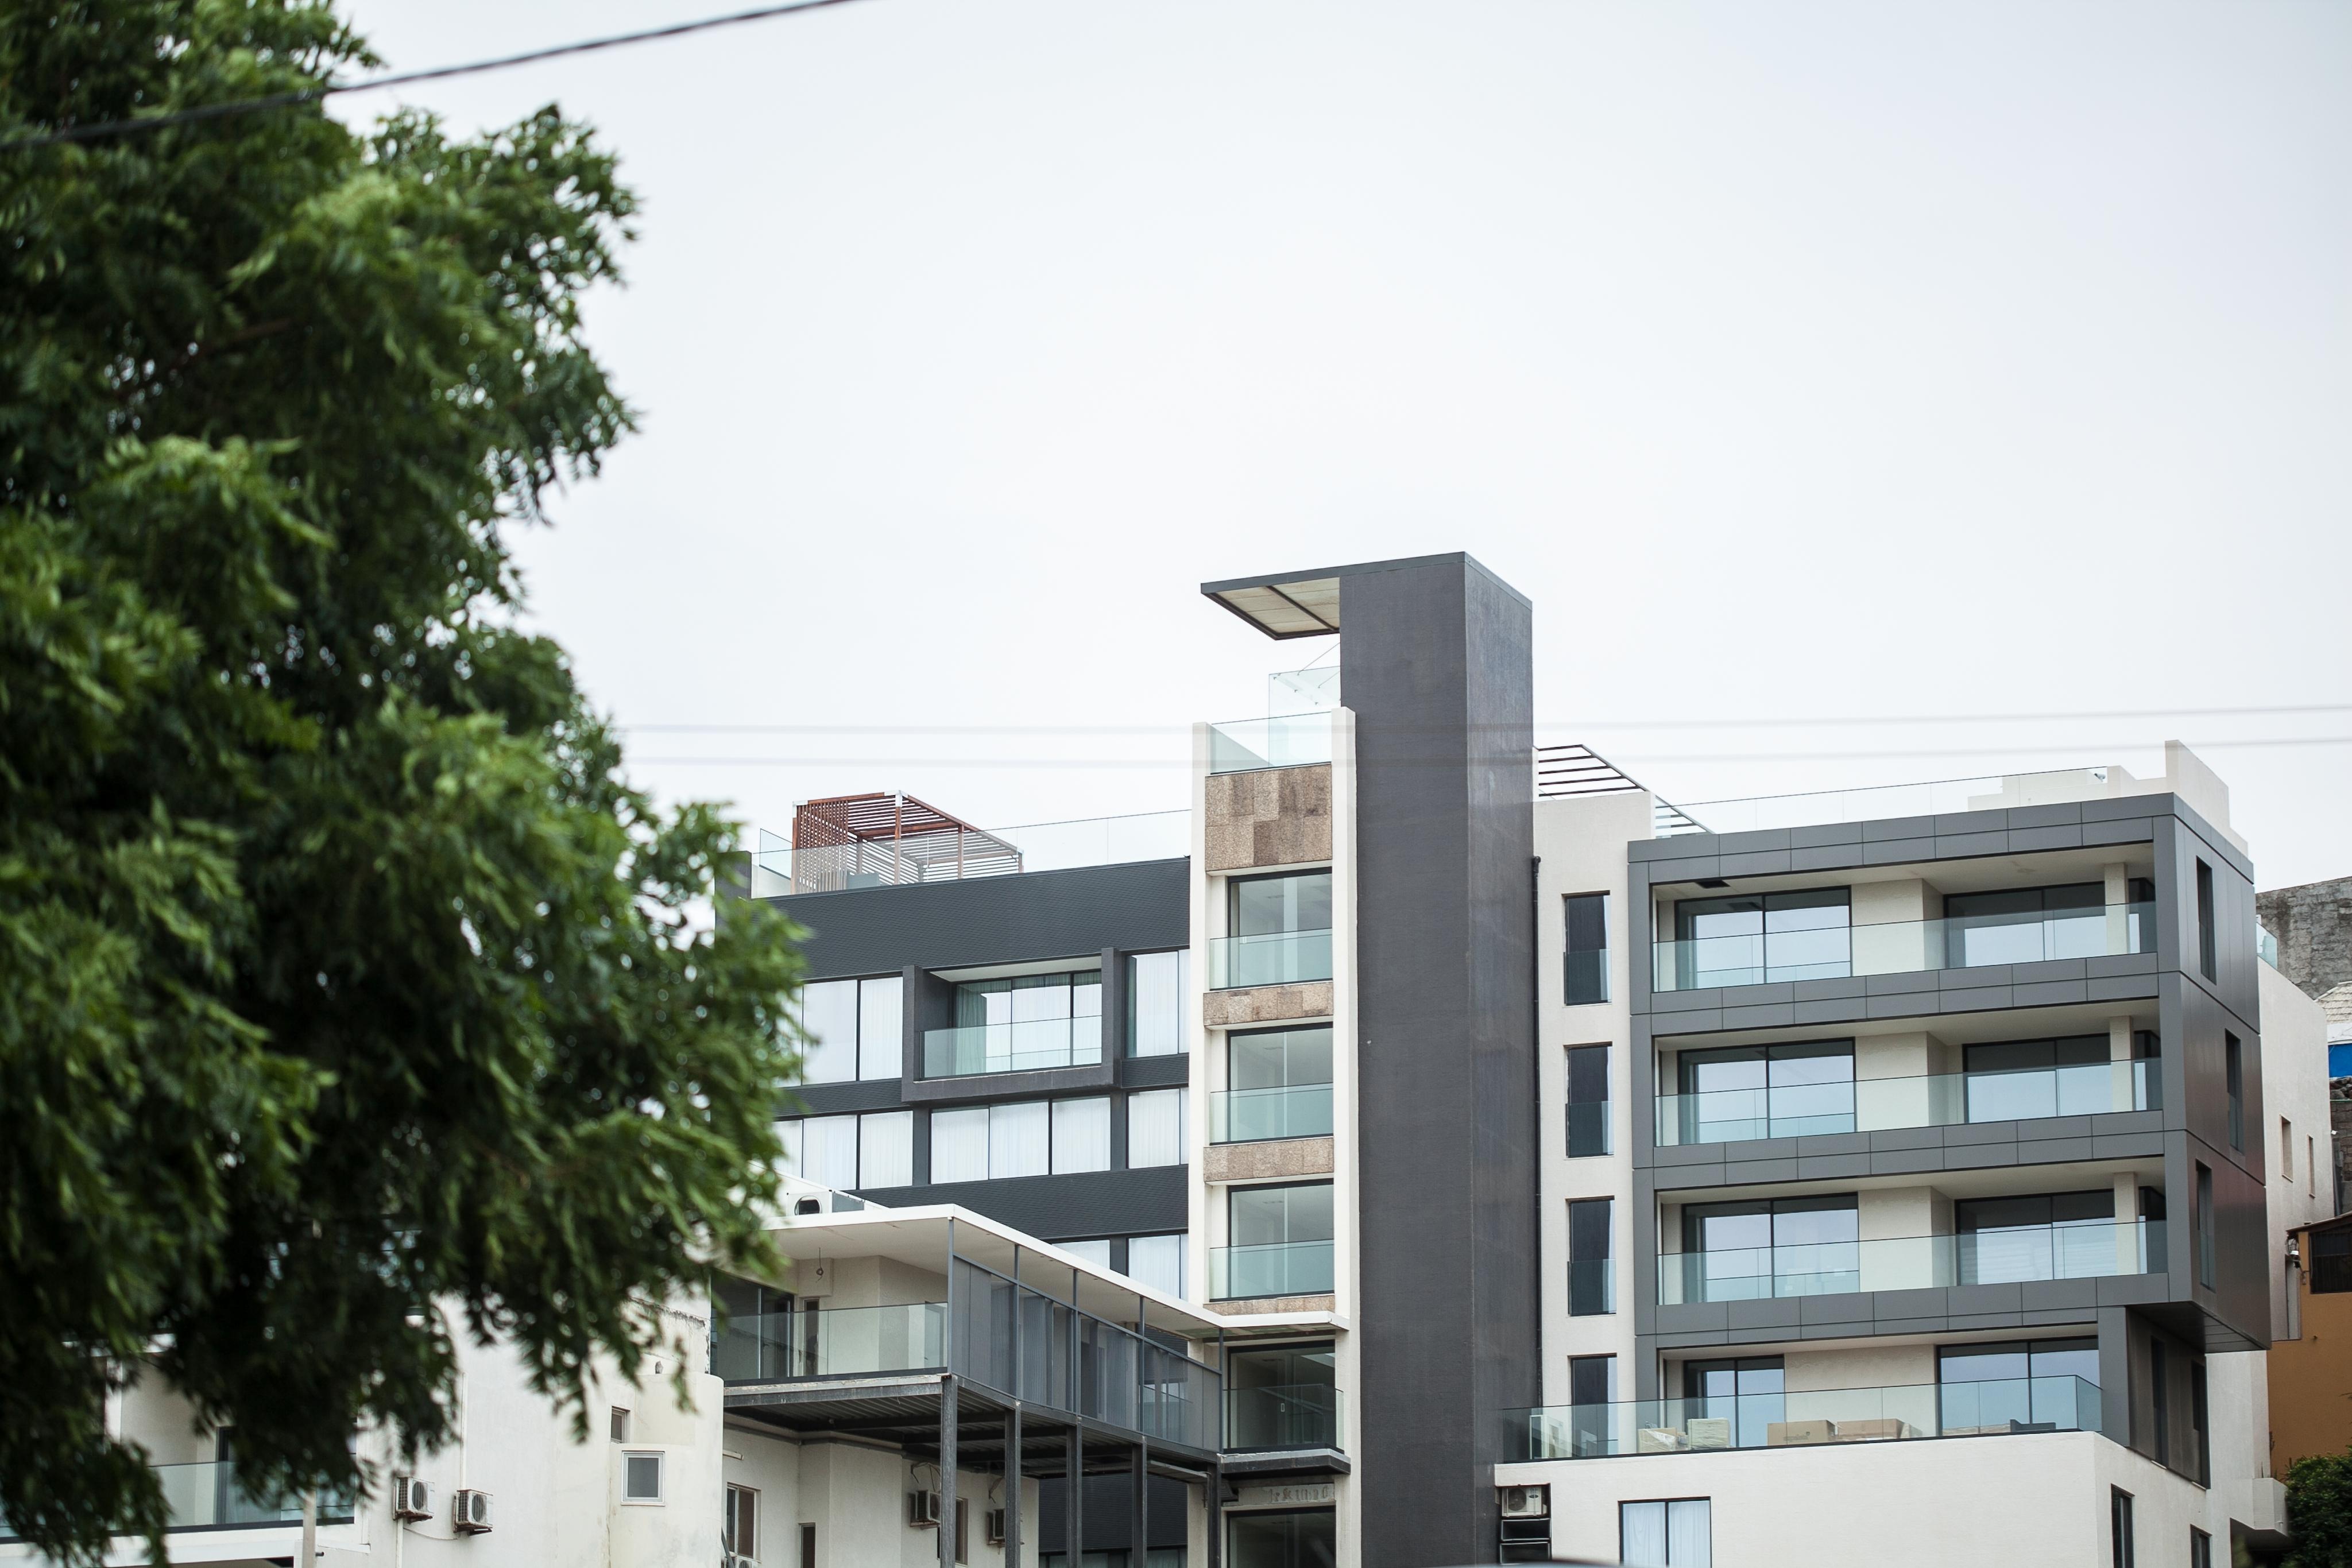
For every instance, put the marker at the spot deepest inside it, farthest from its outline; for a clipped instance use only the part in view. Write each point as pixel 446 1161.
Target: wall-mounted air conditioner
pixel 995 1527
pixel 1526 1502
pixel 923 1509
pixel 411 1498
pixel 469 1512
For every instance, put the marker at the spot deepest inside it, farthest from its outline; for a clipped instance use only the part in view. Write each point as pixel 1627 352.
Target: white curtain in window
pixel 885 1149
pixel 1095 1253
pixel 1155 1128
pixel 878 1049
pixel 1155 1004
pixel 1018 1138
pixel 1642 1534
pixel 1157 1263
pixel 1689 1539
pixel 959 1144
pixel 829 1150
pixel 788 1128
pixel 1081 1136
pixel 829 1013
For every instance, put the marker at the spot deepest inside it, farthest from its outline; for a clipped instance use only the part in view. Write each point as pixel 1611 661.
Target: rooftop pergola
pixel 885 838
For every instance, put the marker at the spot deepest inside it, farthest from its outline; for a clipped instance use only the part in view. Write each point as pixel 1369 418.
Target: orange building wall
pixel 2311 1380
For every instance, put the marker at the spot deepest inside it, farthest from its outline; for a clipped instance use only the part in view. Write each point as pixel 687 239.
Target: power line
pixel 437 73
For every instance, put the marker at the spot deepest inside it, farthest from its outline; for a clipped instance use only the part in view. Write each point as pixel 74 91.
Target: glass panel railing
pixel 1013 1047
pixel 1276 1269
pixel 207 1496
pixel 1929 1099
pixel 1802 1418
pixel 1283 1416
pixel 2093 1250
pixel 839 1342
pixel 1292 740
pixel 962 854
pixel 2266 946
pixel 1274 958
pixel 1256 1116
pixel 1902 947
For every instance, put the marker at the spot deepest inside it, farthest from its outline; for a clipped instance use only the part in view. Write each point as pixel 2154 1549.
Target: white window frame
pixel 661 1476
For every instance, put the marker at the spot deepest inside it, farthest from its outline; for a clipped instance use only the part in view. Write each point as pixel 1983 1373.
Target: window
pixel 885 1149
pixel 1587 975
pixel 1765 1091
pixel 1282 1397
pixel 1775 936
pixel 1588 1100
pixel 1019 1023
pixel 620 1424
pixel 1744 1394
pixel 2327 1259
pixel 1278 931
pixel 1270 906
pixel 2015 1079
pixel 1096 1252
pixel 1591 1391
pixel 2205 1226
pixel 1155 1003
pixel 1280 1241
pixel 1764 1248
pixel 1676 1533
pixel 2043 1384
pixel 848 1153
pixel 2119 1526
pixel 959 1145
pixel 2286 1149
pixel 1591 1274
pixel 1278 1085
pixel 2200 1437
pixel 2028 925
pixel 641 1477
pixel 963 1530
pixel 1158 1263
pixel 2037 1236
pixel 1155 1128
pixel 1299 1538
pixel 808 1547
pixel 742 1531
pixel 2234 1072
pixel 2159 1399
pixel 2207 962
pixel 1081 1136
pixel 2311 1166
pixel 853 1030
pixel 1020 1138
pixel 2200 1549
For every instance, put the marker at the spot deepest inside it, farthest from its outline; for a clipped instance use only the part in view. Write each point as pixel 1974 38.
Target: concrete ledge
pixel 1265 1004
pixel 1272 1157
pixel 1247 1305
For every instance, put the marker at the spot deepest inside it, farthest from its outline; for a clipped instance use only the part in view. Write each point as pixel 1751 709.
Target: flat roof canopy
pixel 1288 604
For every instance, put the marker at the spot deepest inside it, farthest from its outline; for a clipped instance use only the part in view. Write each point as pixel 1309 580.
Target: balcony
pixel 1261 1115
pixel 1803 1419
pixel 1283 1416
pixel 1273 1269
pixel 1015 1046
pixel 1273 958
pixel 2095 1250
pixel 209 1496
pixel 1837 952
pixel 1249 745
pixel 1929 1099
pixel 844 1342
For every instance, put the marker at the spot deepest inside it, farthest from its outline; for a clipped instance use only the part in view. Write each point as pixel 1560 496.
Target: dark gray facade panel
pixel 1135 907
pixel 1437 664
pixel 1064 1208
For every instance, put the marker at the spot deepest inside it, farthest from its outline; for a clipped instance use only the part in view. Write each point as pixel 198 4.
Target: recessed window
pixel 742 1522
pixel 2208 947
pixel 853 1030
pixel 2159 1399
pixel 1591 1267
pixel 641 1477
pixel 1019 1023
pixel 1673 1533
pixel 620 1424
pixel 1586 979
pixel 1278 932
pixel 2286 1149
pixel 1588 1100
pixel 1751 938
pixel 1281 1242
pixel 2119 1528
pixel 2200 1549
pixel 2234 1072
pixel 2205 1240
pixel 1764 1092
pixel 1155 1003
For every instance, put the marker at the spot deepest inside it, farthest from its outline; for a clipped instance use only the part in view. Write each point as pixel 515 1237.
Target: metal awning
pixel 1288 604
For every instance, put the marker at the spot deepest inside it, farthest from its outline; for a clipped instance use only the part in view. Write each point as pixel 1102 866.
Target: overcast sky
pixel 1797 360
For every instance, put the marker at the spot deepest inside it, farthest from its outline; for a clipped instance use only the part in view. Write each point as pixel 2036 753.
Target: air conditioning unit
pixel 923 1509
pixel 1526 1502
pixel 411 1498
pixel 995 1527
pixel 469 1512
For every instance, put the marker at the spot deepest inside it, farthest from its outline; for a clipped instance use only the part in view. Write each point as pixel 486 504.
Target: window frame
pixel 1591 987
pixel 2120 1529
pixel 630 1459
pixel 1605 1118
pixel 738 1542
pixel 1666 1507
pixel 2208 944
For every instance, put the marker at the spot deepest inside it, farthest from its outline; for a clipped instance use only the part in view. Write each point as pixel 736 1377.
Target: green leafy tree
pixel 341 971
pixel 2319 1511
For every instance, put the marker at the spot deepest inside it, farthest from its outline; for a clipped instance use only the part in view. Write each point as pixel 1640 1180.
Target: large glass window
pixel 1021 1138
pixel 959 1145
pixel 2071 1075
pixel 1278 1085
pixel 1155 1128
pixel 881 1045
pixel 1155 1003
pixel 2028 925
pixel 1158 1262
pixel 1296 1537
pixel 1753 937
pixel 885 1149
pixel 1766 1246
pixel 1282 1397
pixel 1676 1533
pixel 822 1149
pixel 2043 1384
pixel 1587 975
pixel 1766 1092
pixel 1591 1390
pixel 1745 1394
pixel 1019 1022
pixel 2037 1236
pixel 1280 1241
pixel 1267 905
pixel 1588 1100
pixel 853 1030
pixel 1081 1136
pixel 2205 1242
pixel 1278 930
pixel 1591 1266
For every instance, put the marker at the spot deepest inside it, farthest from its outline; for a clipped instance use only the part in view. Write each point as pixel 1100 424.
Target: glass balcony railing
pixel 1931 1099
pixel 209 1496
pixel 1283 1416
pixel 1902 947
pixel 1293 741
pixel 816 1342
pixel 1803 1418
pixel 1274 958
pixel 2266 946
pixel 1256 1116
pixel 1013 1047
pixel 1275 1269
pixel 2098 1249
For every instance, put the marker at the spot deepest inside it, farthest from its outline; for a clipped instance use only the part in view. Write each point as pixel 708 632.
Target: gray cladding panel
pixel 1138 906
pixel 1066 1207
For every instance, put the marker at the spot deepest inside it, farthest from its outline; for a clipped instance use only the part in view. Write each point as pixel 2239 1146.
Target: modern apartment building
pixel 1420 1150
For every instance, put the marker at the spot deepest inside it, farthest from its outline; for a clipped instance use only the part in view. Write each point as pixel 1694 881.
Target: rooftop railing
pixel 1290 740
pixel 1902 947
pixel 2091 1250
pixel 814 1341
pixel 1927 798
pixel 1928 1100
pixel 778 870
pixel 1803 1418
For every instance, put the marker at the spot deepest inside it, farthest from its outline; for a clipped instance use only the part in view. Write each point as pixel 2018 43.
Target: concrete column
pixel 947 1470
pixel 2120 1069
pixel 1013 1479
pixel 2118 883
pixel 1074 1532
pixel 2128 1250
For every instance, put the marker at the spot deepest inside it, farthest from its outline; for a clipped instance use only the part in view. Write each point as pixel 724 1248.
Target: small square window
pixel 641 1477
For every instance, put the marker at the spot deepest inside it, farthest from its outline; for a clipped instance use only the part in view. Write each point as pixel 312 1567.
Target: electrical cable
pixel 437 73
